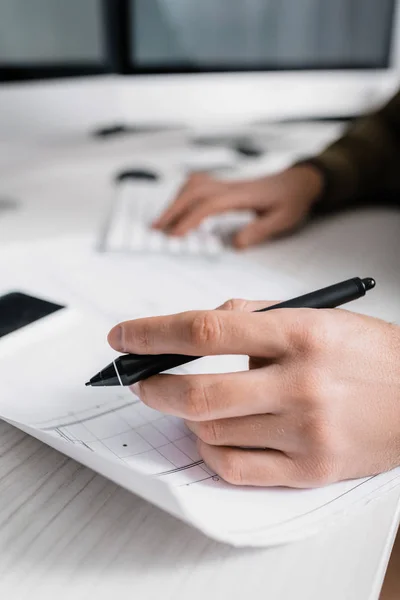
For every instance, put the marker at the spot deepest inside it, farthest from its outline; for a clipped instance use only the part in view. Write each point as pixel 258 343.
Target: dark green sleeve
pixel 363 164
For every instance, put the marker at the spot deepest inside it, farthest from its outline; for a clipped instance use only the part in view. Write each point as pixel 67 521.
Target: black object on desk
pixel 109 131
pixel 137 174
pixel 131 368
pixel 121 129
pixel 245 146
pixel 248 148
pixel 18 310
pixel 8 204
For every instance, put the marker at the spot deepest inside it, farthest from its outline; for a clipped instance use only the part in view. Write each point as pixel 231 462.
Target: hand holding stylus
pixel 320 402
pixel 130 368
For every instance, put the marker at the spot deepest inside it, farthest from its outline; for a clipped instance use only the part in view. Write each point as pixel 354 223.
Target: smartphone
pixel 18 310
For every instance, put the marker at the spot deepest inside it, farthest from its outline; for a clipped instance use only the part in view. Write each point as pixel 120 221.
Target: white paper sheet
pixel 109 429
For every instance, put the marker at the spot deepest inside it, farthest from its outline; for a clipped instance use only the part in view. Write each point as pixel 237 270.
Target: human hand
pixel 320 403
pixel 280 203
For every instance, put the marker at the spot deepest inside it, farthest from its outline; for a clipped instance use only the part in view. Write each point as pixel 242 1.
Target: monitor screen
pixel 45 38
pixel 187 36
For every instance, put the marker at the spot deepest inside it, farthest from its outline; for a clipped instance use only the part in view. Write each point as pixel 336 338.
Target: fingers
pixel 261 229
pixel 215 396
pixel 197 186
pixel 251 467
pixel 270 467
pixel 202 196
pixel 251 431
pixel 202 333
pixel 211 205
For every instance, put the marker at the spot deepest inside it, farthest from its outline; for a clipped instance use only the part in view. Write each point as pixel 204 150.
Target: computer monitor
pixel 189 36
pixel 255 59
pixel 44 39
pixel 58 60
pixel 192 62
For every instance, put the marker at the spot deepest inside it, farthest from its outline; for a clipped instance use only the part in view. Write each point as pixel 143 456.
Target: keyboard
pixel 135 205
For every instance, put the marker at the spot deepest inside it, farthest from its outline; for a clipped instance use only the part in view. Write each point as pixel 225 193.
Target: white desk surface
pixel 67 532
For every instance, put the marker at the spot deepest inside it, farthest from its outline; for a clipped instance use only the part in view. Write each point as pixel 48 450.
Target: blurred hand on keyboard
pixel 280 202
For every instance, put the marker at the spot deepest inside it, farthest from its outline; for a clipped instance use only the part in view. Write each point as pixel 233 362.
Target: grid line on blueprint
pixel 139 436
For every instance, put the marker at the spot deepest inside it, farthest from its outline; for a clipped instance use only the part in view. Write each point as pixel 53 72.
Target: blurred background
pixel 237 87
pixel 184 61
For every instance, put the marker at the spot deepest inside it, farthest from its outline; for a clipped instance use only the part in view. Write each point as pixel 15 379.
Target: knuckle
pixel 198 403
pixel 210 432
pixel 231 468
pixel 235 304
pixel 320 471
pixel 139 338
pixel 311 333
pixel 196 177
pixel 206 330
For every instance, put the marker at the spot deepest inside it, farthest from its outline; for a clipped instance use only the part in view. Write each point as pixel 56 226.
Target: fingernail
pixel 135 387
pixel 115 338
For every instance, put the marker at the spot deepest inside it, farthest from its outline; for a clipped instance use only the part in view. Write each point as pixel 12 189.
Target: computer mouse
pixel 111 131
pixel 142 174
pixel 248 148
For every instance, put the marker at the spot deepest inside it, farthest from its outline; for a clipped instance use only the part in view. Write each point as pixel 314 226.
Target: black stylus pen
pixel 130 368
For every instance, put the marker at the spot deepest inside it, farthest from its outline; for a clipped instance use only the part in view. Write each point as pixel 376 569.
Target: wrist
pixel 309 179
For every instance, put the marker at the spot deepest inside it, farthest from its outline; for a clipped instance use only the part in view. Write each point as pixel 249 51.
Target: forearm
pixel 357 168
